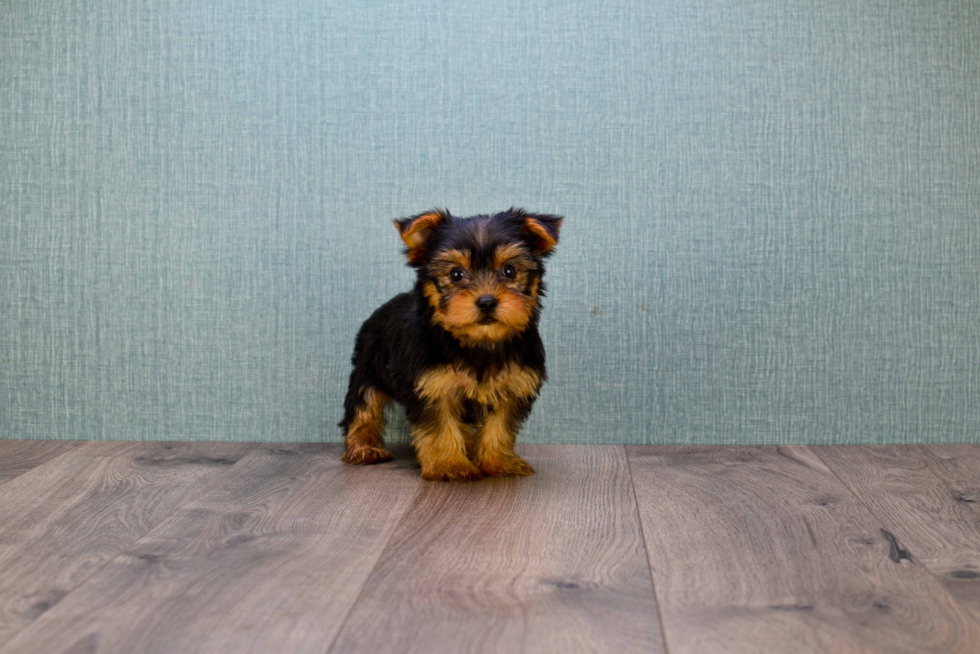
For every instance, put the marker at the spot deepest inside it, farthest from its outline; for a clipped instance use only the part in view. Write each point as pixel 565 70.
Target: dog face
pixel 482 276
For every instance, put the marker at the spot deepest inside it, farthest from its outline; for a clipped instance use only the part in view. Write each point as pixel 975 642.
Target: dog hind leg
pixel 365 424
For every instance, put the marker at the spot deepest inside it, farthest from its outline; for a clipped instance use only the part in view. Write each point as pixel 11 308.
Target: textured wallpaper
pixel 772 209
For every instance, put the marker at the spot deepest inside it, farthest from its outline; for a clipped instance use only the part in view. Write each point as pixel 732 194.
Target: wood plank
pixel 17 457
pixel 763 549
pixel 549 563
pixel 268 560
pixel 66 518
pixel 928 496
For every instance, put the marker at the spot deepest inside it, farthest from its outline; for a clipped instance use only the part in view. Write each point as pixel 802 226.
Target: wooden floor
pixel 229 547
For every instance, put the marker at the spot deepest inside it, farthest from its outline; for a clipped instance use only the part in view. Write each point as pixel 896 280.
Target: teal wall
pixel 772 209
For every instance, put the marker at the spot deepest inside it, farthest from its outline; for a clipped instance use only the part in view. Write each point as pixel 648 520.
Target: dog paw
pixel 509 467
pixel 453 472
pixel 366 455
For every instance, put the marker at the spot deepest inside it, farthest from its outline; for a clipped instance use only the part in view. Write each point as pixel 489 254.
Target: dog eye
pixel 456 274
pixel 509 271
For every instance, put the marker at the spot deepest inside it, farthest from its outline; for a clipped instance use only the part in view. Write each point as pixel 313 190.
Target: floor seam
pixel 72 448
pixel 646 551
pixel 357 598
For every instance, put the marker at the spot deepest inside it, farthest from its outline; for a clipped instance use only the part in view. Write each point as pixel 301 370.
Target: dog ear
pixel 541 232
pixel 416 230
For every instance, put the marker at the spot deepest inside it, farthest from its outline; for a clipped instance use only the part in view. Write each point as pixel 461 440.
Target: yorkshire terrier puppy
pixel 461 351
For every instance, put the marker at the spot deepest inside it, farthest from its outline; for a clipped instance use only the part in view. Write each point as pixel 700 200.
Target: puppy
pixel 461 350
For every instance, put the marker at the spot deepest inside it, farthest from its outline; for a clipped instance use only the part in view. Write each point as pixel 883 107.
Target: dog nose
pixel 486 303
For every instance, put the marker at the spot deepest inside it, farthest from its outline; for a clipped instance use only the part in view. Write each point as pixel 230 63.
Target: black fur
pixel 399 341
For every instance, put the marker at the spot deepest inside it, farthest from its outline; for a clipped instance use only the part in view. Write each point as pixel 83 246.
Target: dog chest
pixel 449 383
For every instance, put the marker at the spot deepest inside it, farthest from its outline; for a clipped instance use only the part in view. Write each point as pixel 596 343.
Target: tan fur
pixel 415 233
pixel 477 335
pixel 460 317
pixel 510 383
pixel 446 261
pixel 495 455
pixel 455 309
pixel 441 449
pixel 509 252
pixel 486 285
pixel 545 241
pixel 461 309
pixel 432 295
pixel 365 443
pixel 535 287
pixel 514 310
pixel 442 454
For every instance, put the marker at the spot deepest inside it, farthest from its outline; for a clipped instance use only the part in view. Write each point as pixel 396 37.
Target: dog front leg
pixel 495 454
pixel 440 442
